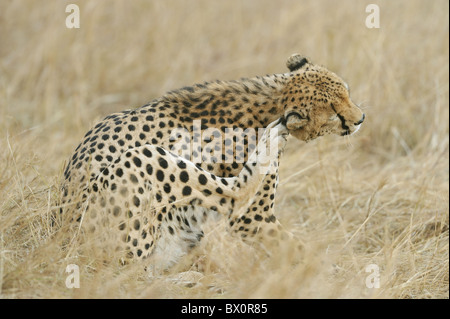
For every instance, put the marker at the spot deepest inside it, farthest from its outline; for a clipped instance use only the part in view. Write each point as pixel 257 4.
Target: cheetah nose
pixel 361 120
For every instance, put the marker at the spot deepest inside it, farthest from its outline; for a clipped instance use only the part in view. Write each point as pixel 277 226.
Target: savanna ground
pixel 379 197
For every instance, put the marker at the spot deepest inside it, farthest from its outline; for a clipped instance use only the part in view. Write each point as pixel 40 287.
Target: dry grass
pixel 380 197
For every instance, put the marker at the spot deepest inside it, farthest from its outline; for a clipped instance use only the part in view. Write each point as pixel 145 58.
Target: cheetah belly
pixel 180 234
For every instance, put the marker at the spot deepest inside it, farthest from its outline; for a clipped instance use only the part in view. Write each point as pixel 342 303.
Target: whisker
pixel 362 106
pixel 348 142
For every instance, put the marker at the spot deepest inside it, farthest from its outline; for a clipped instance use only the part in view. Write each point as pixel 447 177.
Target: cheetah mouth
pixel 350 131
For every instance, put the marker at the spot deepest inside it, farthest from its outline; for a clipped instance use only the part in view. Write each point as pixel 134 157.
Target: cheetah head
pixel 317 102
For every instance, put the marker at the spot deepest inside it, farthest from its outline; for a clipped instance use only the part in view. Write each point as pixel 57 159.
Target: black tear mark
pixel 343 125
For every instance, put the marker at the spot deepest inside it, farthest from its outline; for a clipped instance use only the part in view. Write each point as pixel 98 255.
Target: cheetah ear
pixel 295 121
pixel 296 61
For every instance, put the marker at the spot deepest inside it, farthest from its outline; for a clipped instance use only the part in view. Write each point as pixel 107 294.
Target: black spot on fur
pixel 147 153
pixel 160 175
pixel 137 161
pixel 162 162
pixel 187 190
pixel 202 179
pixel 184 177
pixel 161 151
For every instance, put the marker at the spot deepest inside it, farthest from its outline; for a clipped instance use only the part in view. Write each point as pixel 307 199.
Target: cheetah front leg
pixel 258 224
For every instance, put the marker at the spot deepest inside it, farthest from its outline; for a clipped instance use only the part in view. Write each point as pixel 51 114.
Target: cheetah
pixel 207 129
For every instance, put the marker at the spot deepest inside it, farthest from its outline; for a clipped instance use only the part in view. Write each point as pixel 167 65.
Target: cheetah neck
pixel 248 102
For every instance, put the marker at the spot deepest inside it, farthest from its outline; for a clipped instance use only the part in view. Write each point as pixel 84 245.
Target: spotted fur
pixel 157 207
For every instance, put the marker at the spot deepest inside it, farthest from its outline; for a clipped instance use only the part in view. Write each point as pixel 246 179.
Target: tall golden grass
pixel 379 197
